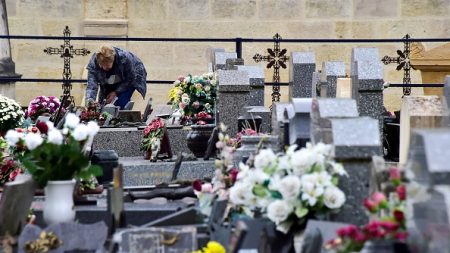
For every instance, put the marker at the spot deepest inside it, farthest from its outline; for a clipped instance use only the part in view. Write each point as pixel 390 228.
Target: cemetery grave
pixel 179 199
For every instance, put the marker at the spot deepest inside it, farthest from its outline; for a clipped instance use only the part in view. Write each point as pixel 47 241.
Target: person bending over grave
pixel 118 73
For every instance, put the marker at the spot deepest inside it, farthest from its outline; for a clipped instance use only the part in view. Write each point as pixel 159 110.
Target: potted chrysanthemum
pixel 55 158
pixel 11 115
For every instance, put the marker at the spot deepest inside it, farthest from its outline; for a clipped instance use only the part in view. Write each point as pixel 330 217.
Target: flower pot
pixel 147 154
pixel 58 206
pixel 384 246
pixel 197 139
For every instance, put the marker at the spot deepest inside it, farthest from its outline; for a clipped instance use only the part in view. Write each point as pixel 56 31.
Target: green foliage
pixel 58 162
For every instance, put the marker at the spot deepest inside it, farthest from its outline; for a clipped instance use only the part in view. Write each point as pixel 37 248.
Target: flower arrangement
pixel 52 154
pixel 212 247
pixel 236 140
pixel 11 115
pixel 9 169
pixel 224 176
pixel 391 224
pixel 153 134
pixel 194 94
pixel 287 188
pixel 42 105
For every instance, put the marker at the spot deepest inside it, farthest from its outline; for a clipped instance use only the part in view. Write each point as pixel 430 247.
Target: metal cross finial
pixel 403 62
pixel 66 51
pixel 276 59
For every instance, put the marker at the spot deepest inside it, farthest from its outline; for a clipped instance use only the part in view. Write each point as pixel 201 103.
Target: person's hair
pixel 105 54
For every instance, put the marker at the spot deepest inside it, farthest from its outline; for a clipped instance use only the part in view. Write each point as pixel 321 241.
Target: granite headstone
pixel 331 71
pixel 302 67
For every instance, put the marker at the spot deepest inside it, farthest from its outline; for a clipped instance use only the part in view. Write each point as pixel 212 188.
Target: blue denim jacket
pixel 129 68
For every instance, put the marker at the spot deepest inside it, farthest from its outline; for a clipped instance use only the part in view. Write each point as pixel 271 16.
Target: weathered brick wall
pixel 214 19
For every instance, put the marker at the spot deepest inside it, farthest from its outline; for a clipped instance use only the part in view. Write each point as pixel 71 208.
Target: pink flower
pixel 378 198
pixel 233 174
pixel 182 105
pixel 180 78
pixel 14 174
pixel 347 231
pixel 196 105
pixel 370 205
pixel 401 235
pixel 394 173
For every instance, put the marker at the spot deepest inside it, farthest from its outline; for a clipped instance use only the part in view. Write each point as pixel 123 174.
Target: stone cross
pixel 403 62
pixel 66 51
pixel 276 58
pixel 303 65
pixel 367 83
pixel 355 141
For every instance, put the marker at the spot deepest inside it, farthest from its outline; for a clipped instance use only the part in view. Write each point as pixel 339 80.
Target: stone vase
pixel 59 206
pixel 197 139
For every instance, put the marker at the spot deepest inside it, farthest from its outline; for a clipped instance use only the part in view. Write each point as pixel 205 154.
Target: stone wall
pixel 213 19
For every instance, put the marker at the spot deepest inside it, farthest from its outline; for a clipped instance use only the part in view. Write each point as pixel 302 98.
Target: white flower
pixel 278 211
pixel 324 179
pixel 256 176
pixel 50 125
pixel 265 158
pixel 301 161
pixel 33 140
pixel 290 187
pixel 12 137
pixel 338 168
pixel 81 132
pixel 241 194
pixel 187 79
pixel 71 121
pixel 54 136
pixel 207 187
pixel 333 197
pixel 311 192
pixel 93 128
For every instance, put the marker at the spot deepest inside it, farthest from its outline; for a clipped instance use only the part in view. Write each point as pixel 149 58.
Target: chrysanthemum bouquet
pixel 194 94
pixel 11 115
pixel 53 154
pixel 42 105
pixel 288 188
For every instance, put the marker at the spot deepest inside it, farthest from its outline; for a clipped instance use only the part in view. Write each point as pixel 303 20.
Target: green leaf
pixel 276 195
pixel 335 181
pixel 259 190
pixel 301 212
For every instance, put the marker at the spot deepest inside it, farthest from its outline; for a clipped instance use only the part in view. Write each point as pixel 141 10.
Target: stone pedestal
pixel 420 112
pixel 232 97
pixel 302 67
pixel 355 141
pixel 434 65
pixel 256 75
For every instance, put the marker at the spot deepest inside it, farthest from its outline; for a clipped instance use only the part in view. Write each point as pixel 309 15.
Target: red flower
pixel 233 174
pixel 13 174
pixel 42 126
pixel 197 185
pixel 349 231
pixel 401 192
pixel 399 215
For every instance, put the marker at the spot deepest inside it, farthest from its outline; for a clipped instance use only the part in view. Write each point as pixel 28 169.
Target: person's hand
pixel 111 97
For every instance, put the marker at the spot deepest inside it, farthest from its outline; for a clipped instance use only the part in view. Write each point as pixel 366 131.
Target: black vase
pixel 384 246
pixel 197 139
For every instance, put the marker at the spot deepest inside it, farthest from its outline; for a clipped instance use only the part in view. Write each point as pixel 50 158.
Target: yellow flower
pixel 214 247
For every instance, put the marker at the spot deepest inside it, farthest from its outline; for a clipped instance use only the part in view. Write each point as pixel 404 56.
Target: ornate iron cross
pixel 403 62
pixel 276 59
pixel 67 52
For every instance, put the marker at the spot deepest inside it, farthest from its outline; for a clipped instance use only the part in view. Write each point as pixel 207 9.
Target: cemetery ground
pixel 308 175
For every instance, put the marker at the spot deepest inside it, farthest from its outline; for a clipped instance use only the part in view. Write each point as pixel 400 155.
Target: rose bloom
pixel 333 197
pixel 278 211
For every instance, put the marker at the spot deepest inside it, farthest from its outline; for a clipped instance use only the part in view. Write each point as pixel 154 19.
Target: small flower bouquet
pixel 288 188
pixel 9 169
pixel 224 176
pixel 153 134
pixel 391 224
pixel 52 154
pixel 42 105
pixel 194 94
pixel 11 115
